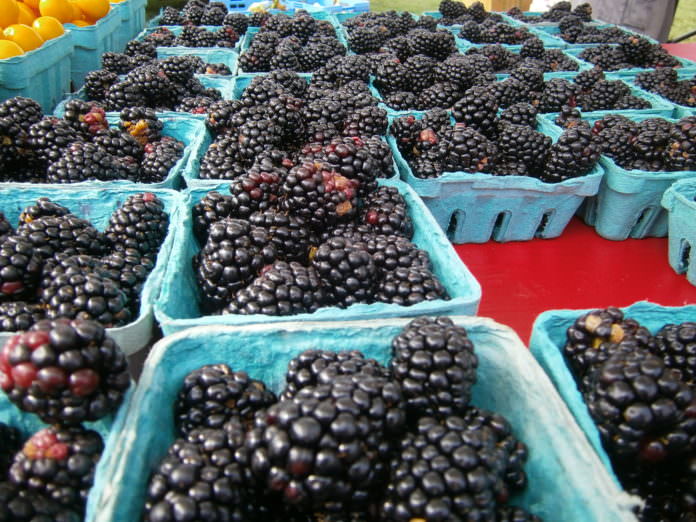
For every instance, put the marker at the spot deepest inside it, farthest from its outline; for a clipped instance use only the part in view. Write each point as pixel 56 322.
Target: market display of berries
pixel 492 32
pixel 480 141
pixel 345 441
pixel 556 13
pixel 573 30
pixel 456 13
pixel 66 372
pixel 653 144
pixel 297 43
pixel 199 12
pixel 57 265
pixel 634 51
pixel 665 82
pixel 639 391
pixel 82 146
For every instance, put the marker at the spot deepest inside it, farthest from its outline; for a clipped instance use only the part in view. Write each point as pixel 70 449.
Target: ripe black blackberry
pixel 22 505
pixel 588 78
pixel 41 208
pixel 604 95
pixel 615 135
pixel 632 102
pixel 130 269
pixel 441 95
pixel 83 161
pixel 290 234
pixel 233 255
pixel 59 462
pixel 160 157
pixel 465 149
pixel 389 252
pixel 401 100
pixel 451 8
pixel 116 63
pixel 680 153
pixel 446 366
pixel 238 21
pixel 118 143
pixel 637 417
pixel 255 190
pixel 318 194
pixel 219 115
pixel 98 82
pixel 520 114
pixel 557 93
pixel 386 211
pixel 476 109
pixel 213 16
pixel 140 223
pixel 257 58
pixel 214 394
pixel 68 234
pixel 12 142
pixel 348 272
pixel 135 47
pixel 170 16
pixel 574 154
pixel 17 316
pixel 257 136
pixel 532 77
pixel 213 207
pixel 195 104
pixel 441 474
pixel 568 116
pixel 22 111
pixel 407 286
pixel 124 94
pixel 391 76
pixel 368 121
pixel 142 123
pixel 676 345
pixel 438 44
pixel 522 143
pixel 321 367
pixel 65 372
pixel 222 160
pixel 49 137
pixel 282 289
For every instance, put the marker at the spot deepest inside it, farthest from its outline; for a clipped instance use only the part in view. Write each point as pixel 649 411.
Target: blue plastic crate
pixel 42 74
pixel 566 479
pixel 680 202
pixel 132 14
pixel 475 208
pixel 549 337
pixel 90 43
pixel 628 201
pixel 177 308
pixel 96 205
pixel 629 73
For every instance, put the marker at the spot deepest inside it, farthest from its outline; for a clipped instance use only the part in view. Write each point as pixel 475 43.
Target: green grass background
pixel 684 20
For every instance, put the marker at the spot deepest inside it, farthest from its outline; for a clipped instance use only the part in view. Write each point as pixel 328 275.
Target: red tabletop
pixel 580 269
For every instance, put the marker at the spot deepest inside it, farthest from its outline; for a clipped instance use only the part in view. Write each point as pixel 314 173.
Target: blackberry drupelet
pixel 214 394
pixel 64 371
pixel 476 109
pixel 435 363
pixel 20 267
pixel 233 255
pixel 282 289
pixel 140 223
pixel 676 345
pixel 386 211
pixel 59 462
pixel 407 286
pixel 17 316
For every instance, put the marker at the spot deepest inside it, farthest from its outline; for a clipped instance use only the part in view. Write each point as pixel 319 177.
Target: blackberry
pixel 676 345
pixel 49 137
pixel 256 190
pixel 440 95
pixel 451 8
pixel 409 286
pixel 170 16
pixel 321 367
pixel 388 252
pixel 604 95
pixel 238 21
pixel 195 104
pixel 567 116
pixel 213 207
pixel 522 143
pixel 520 114
pixel 67 234
pixel 508 167
pixel 391 76
pixel 281 289
pixel 636 416
pixel 124 94
pixel 18 504
pixel 587 79
pixel 437 44
pixel 23 111
pixel 141 123
pixel 42 208
pixel 557 93
pixel 574 154
pixel 401 100
pixel 476 109
pixel 88 118
pixel 222 160
pixel 135 47
pixel 140 223
pixel 82 161
pixel 213 16
pixel 213 395
pixel 680 153
pixel 348 272
pixel 73 372
pixel 118 143
pixel 632 102
pixel 59 462
pixel 319 195
pixel 368 121
pixel 233 255
pixel 606 57
pixel 533 78
pixel 20 267
pixel 17 316
pixel 440 473
pixel 219 115
pixel 508 92
pixel 257 58
pixel 130 269
pixel 290 234
pixel 532 48
pixel 616 140
pixel 116 63
pixel 257 136
pixel 435 363
pixel 465 149
pixel 386 211
pixel 159 159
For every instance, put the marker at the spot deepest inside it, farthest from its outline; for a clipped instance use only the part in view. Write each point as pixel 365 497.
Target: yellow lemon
pixel 9 49
pixel 59 9
pixel 9 12
pixel 94 9
pixel 26 14
pixel 48 27
pixel 24 36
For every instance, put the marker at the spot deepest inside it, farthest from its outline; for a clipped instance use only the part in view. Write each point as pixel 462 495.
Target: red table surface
pixel 579 269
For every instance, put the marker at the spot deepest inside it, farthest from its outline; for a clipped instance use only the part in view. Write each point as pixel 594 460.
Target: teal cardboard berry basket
pixel 680 202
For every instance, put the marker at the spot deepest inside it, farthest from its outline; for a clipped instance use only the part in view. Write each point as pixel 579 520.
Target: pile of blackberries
pixel 57 265
pixel 492 32
pixel 164 85
pixel 482 141
pixel 532 55
pixel 298 43
pixel 348 439
pixel 665 82
pixel 653 144
pixel 456 13
pixel 575 31
pixel 67 372
pixel 82 146
pixel 634 51
pixel 135 56
pixel 200 12
pixel 639 389
pixel 556 13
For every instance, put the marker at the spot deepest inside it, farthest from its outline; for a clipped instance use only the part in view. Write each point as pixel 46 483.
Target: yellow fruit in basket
pixel 59 9
pixel 9 49
pixel 81 23
pixel 9 12
pixel 48 27
pixel 24 36
pixel 93 9
pixel 26 14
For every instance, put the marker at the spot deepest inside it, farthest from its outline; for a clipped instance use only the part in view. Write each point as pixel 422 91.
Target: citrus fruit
pixel 26 14
pixel 9 12
pixel 9 49
pixel 34 4
pixel 94 9
pixel 81 23
pixel 59 9
pixel 48 27
pixel 24 36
